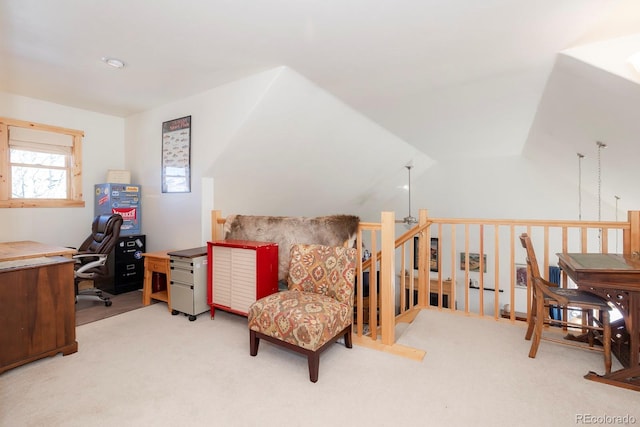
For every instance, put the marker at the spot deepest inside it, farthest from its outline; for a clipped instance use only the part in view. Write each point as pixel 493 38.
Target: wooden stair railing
pixel 477 236
pixel 493 237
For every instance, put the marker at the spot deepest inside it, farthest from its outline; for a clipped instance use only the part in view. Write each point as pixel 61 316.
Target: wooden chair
pixel 316 310
pixel 547 294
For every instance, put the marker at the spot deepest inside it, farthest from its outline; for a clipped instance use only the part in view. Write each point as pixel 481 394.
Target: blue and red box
pixel 123 199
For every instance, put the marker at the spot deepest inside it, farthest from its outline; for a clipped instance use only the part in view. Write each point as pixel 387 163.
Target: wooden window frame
pixel 74 186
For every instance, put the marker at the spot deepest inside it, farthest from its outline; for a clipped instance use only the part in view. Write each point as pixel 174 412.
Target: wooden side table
pixel 446 292
pixel 157 262
pixel 434 292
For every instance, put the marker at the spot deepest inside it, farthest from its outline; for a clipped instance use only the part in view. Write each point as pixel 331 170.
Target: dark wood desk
pixel 616 278
pixel 37 302
pixel 37 310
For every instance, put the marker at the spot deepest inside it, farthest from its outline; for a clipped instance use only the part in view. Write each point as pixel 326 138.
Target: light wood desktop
pixel 28 249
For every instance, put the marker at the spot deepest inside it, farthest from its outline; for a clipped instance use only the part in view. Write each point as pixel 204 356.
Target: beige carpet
pixel 146 367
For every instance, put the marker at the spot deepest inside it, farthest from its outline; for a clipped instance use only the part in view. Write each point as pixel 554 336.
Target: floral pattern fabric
pixel 319 302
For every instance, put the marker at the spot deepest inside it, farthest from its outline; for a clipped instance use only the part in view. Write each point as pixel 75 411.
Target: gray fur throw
pixel 334 230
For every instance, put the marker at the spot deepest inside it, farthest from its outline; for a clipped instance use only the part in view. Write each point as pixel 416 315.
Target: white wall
pixel 581 105
pixel 512 187
pixel 273 144
pixel 174 220
pixel 103 149
pixel 498 187
pixel 276 144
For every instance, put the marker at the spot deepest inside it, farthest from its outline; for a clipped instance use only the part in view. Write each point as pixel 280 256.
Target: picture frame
pixel 521 275
pixel 433 260
pixel 176 155
pixel 474 262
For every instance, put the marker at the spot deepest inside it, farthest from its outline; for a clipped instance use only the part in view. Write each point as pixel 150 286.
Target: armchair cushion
pixel 300 318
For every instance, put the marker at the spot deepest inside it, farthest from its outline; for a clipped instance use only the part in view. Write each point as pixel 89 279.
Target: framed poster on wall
pixel 474 262
pixel 176 155
pixel 521 275
pixel 433 258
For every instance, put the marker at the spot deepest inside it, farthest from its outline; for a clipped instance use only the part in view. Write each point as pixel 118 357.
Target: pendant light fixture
pixel 409 220
pixel 600 145
pixel 617 231
pixel 580 157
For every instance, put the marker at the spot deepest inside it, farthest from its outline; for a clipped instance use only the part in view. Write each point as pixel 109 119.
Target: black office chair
pixel 91 259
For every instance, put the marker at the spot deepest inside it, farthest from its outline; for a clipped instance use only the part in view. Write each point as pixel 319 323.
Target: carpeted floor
pixel 88 311
pixel 146 367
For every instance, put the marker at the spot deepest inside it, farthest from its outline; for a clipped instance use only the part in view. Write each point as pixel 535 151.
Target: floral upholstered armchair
pixel 317 308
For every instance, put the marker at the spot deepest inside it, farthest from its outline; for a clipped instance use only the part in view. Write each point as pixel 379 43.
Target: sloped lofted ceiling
pixel 308 171
pixel 452 78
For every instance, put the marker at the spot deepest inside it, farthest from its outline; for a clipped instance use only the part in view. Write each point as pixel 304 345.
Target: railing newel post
pixel 387 276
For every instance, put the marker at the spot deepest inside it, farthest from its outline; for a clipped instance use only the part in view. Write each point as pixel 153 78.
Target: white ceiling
pixel 440 74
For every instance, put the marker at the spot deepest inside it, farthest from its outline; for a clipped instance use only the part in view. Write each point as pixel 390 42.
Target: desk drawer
pixel 180 275
pixel 129 270
pixel 159 266
pixel 130 246
pixel 182 263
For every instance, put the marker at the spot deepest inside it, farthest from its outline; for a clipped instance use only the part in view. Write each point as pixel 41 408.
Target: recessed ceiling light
pixel 113 62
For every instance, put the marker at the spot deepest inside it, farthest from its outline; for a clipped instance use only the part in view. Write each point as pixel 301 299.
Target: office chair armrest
pixel 102 259
pixel 87 255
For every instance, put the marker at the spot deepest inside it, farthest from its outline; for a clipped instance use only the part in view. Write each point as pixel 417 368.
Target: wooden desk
pixel 156 262
pixel 37 304
pixel 616 278
pixel 28 249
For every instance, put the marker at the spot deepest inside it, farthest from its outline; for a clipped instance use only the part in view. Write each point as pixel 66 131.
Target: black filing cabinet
pixel 126 265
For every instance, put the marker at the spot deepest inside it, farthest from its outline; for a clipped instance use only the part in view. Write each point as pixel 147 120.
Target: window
pixel 40 165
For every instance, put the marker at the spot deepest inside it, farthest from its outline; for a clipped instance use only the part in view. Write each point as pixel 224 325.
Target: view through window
pixel 44 165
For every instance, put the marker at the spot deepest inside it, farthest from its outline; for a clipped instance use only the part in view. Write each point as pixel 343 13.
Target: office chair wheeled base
pixel 98 296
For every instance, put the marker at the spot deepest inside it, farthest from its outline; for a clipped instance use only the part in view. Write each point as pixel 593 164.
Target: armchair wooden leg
pixel 347 339
pixel 254 342
pixel 313 357
pixel 314 365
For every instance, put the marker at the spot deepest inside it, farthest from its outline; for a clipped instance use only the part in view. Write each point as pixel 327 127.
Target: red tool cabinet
pixel 240 272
